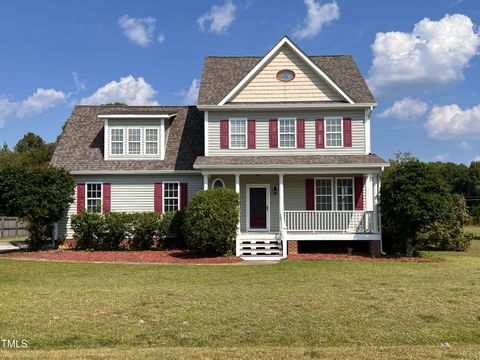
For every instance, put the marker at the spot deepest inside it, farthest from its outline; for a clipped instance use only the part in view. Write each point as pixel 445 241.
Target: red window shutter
pixel 106 197
pixel 80 198
pixel 300 133
pixel 319 134
pixel 158 197
pixel 273 133
pixel 309 194
pixel 251 134
pixel 347 132
pixel 359 193
pixel 183 195
pixel 223 134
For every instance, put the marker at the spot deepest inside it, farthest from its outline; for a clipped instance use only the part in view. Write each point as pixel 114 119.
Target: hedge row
pixel 117 230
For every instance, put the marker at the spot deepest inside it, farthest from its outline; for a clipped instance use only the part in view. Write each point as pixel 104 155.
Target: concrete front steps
pixel 259 246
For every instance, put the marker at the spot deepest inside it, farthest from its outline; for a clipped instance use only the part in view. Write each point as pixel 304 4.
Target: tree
pixel 413 196
pixel 456 175
pixel 38 195
pixel 30 141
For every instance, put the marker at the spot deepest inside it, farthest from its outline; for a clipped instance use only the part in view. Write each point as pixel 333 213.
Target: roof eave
pixel 284 106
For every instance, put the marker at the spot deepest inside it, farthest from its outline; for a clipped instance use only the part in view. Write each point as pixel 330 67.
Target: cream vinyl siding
pixel 262 132
pixel 129 193
pixel 307 85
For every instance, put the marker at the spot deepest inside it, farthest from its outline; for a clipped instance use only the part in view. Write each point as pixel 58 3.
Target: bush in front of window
pixel 89 228
pixel 210 221
pixel 116 228
pixel 145 229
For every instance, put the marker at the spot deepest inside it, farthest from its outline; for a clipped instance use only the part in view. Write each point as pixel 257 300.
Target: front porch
pixel 279 208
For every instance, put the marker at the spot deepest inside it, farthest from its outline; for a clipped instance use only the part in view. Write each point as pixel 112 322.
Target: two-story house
pixel 289 132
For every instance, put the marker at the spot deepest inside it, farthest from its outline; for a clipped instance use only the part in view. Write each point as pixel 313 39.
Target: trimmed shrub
pixel 89 228
pixel 145 229
pixel 117 227
pixel 210 221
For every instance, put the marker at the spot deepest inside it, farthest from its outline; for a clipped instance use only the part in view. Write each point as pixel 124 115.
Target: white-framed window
pixel 151 141
pixel 238 133
pixel 134 141
pixel 93 197
pixel 287 133
pixel 116 144
pixel 345 194
pixel 324 194
pixel 218 184
pixel 171 196
pixel 333 132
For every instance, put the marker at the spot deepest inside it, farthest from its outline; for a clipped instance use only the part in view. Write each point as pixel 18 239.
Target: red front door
pixel 258 208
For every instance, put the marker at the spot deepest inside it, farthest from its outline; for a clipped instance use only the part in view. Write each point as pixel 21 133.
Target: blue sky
pixel 420 58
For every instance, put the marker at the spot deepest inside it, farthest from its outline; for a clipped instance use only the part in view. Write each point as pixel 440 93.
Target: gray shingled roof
pixel 221 74
pixel 281 161
pixel 81 145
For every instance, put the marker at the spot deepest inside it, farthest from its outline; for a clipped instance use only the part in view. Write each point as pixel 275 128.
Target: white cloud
pixel 39 101
pixel 127 90
pixel 79 84
pixel 441 157
pixel 190 97
pixel 219 18
pixel 138 31
pixel 465 145
pixel 318 16
pixel 406 109
pixel 433 54
pixel 161 38
pixel 477 158
pixel 450 121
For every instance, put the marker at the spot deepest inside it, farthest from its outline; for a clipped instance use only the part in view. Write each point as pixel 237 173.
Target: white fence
pixel 354 221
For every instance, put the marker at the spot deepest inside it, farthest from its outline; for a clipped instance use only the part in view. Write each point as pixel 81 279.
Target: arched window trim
pixel 218 179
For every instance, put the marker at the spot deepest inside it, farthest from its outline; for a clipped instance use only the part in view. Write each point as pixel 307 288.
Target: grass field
pixel 327 309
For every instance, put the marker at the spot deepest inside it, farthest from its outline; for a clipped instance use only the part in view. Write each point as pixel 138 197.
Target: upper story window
pixel 238 133
pixel 345 194
pixel 287 133
pixel 285 75
pixel 333 132
pixel 134 141
pixel 171 196
pixel 151 141
pixel 94 197
pixel 116 146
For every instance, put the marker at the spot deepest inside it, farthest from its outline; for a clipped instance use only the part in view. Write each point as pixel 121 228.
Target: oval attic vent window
pixel 285 75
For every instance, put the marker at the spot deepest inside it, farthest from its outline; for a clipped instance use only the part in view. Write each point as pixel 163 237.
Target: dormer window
pixel 135 136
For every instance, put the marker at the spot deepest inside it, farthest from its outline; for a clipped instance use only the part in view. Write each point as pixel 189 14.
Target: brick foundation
pixel 374 248
pixel 292 247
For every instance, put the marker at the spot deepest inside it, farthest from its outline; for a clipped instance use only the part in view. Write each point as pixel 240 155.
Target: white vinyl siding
pixel 238 133
pixel 262 132
pixel 333 132
pixel 287 133
pixel 130 193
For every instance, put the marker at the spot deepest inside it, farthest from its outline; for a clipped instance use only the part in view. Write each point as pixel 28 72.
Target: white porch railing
pixel 354 221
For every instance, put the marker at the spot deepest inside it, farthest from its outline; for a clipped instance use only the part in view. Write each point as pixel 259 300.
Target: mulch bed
pixel 327 256
pixel 150 256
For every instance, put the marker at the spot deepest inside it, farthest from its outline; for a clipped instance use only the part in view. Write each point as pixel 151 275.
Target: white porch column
pixel 375 190
pixel 281 206
pixel 205 182
pixel 237 190
pixel 237 183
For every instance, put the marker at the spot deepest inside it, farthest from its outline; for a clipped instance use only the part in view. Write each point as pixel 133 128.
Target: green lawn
pixel 475 230
pixel 20 238
pixel 327 309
